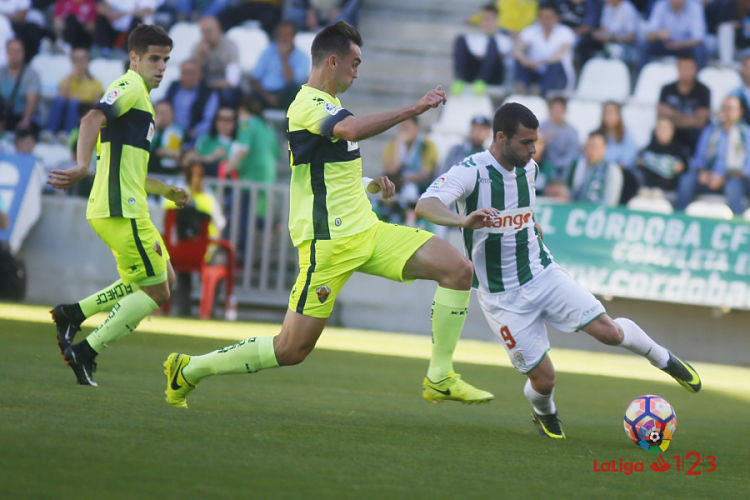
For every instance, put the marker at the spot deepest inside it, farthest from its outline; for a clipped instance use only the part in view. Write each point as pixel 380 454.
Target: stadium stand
pixel 251 42
pixel 603 80
pixel 536 104
pixel 720 81
pixel 51 69
pixel 652 78
pixel 184 35
pixel 106 70
pixel 709 207
pixel 458 112
pixel 585 116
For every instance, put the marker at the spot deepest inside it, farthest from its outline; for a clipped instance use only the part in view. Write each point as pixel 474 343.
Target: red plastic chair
pixel 188 255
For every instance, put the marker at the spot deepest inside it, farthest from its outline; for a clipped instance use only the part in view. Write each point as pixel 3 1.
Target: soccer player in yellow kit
pixel 332 224
pixel 121 126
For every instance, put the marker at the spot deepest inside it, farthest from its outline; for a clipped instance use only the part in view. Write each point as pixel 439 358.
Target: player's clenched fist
pixel 431 99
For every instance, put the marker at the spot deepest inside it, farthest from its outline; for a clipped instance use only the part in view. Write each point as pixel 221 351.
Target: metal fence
pixel 257 215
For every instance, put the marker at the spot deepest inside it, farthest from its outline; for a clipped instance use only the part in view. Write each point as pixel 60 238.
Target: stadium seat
pixel 721 81
pixel 188 255
pixel 603 80
pixel 106 70
pixel 458 112
pixel 51 69
pixel 536 104
pixel 52 155
pixel 444 142
pixel 639 120
pixel 184 37
pixel 644 203
pixel 584 116
pixel 652 78
pixel 251 42
pixel 746 214
pixel 303 41
pixel 710 209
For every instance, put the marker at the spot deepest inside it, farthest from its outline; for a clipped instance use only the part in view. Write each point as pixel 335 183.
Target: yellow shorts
pixel 140 252
pixel 326 265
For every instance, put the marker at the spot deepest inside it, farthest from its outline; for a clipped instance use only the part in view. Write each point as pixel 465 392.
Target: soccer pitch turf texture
pixel 347 423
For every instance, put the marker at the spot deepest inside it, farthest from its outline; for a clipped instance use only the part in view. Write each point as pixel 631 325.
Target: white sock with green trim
pixel 635 340
pixel 543 404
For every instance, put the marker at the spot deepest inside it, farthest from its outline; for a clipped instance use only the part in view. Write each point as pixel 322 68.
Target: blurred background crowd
pixel 642 103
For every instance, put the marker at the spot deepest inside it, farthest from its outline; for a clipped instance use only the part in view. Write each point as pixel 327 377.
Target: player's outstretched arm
pixel 435 211
pixel 91 124
pixel 355 129
pixel 176 194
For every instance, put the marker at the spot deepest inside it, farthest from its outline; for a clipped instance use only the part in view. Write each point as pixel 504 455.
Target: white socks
pixel 543 403
pixel 637 341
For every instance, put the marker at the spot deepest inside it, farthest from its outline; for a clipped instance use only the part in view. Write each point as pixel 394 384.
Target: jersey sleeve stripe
pixel 326 130
pixel 108 109
pixel 307 147
pixel 141 251
pixel 310 270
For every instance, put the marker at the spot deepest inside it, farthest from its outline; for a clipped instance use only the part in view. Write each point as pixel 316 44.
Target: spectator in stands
pixel 203 205
pixel 582 16
pixel 267 12
pixel 187 10
pixel 480 131
pixel 116 18
pixel 479 58
pixel 409 160
pixel 219 60
pixel 687 102
pixel 515 15
pixel 544 54
pixel 621 148
pixel 561 143
pixel 617 31
pixel 546 169
pixel 213 147
pixel 76 88
pixel 721 162
pixel 73 22
pixel 19 88
pixel 280 71
pixel 254 156
pixel 594 179
pixel 166 144
pixel 30 33
pixel 193 101
pixel 743 92
pixel 312 15
pixel 664 159
pixel 676 27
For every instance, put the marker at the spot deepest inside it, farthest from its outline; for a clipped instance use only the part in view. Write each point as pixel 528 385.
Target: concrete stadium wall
pixel 66 261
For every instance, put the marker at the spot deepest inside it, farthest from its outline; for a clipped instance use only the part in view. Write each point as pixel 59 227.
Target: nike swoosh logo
pixel 175 386
pixel 446 392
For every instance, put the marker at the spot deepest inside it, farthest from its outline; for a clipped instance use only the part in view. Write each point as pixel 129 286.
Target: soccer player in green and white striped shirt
pixel 519 286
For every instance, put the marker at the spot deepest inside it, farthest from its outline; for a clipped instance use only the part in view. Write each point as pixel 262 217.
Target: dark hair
pixel 619 131
pixel 334 39
pixel 558 99
pixel 549 6
pixel 252 105
pixel 214 132
pixel 598 132
pixel 489 7
pixel 509 116
pixel 685 54
pixel 148 34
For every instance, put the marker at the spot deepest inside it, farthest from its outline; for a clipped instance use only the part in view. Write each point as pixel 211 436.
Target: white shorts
pixel 518 316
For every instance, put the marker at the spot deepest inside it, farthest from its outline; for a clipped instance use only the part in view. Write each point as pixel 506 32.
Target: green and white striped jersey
pixel 510 253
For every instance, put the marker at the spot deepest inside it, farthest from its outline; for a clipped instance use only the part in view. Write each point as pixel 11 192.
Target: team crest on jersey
pixel 323 292
pixel 157 249
pixel 111 97
pixel 518 360
pixel 150 134
pixel 331 109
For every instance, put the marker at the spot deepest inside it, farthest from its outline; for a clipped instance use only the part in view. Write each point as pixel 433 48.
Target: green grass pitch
pixel 341 425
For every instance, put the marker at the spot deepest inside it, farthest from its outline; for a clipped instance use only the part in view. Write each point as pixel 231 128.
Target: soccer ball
pixel 650 422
